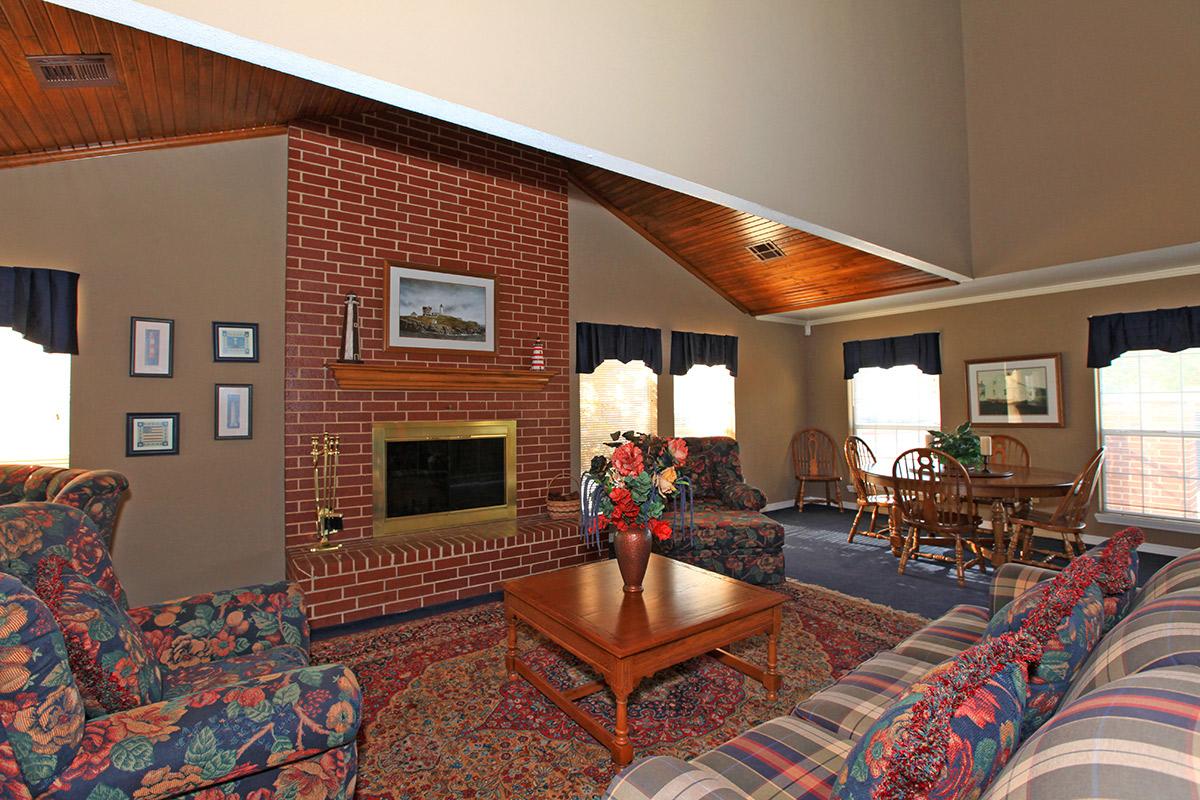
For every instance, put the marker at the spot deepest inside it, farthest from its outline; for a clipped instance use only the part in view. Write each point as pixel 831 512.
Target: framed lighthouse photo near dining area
pixel 1021 391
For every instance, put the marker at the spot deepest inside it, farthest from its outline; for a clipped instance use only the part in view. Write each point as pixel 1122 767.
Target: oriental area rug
pixel 441 720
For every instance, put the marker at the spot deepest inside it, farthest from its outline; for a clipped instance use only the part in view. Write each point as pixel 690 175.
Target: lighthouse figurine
pixel 538 358
pixel 350 342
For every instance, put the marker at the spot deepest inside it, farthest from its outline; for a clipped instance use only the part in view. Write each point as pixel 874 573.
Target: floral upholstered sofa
pixel 730 534
pixel 1111 707
pixel 208 696
pixel 95 492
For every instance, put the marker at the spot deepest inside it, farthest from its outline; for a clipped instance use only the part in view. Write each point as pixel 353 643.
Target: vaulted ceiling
pixel 165 89
pixel 166 93
pixel 713 243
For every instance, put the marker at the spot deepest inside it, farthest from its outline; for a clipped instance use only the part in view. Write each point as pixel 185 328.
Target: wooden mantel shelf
pixel 403 377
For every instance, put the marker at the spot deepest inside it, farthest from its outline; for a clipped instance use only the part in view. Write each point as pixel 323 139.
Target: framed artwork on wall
pixel 235 341
pixel 439 310
pixel 1023 391
pixel 233 411
pixel 152 433
pixel 151 347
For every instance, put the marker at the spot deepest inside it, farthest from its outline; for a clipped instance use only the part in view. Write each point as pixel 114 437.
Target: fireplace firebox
pixel 430 475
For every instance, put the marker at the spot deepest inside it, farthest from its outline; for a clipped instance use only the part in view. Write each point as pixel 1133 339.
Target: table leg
pixel 894 527
pixel 773 680
pixel 622 748
pixel 510 659
pixel 998 521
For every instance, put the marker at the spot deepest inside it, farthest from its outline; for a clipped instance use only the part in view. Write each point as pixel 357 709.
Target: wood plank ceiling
pixel 711 241
pixel 170 93
pixel 167 89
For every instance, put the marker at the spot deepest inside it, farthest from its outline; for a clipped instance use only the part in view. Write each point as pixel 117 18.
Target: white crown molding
pixel 163 23
pixel 1127 268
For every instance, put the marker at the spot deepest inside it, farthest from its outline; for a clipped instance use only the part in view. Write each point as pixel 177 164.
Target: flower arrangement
pixel 630 491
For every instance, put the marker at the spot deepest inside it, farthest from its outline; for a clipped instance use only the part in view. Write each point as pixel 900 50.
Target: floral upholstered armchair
pixel 95 492
pixel 209 694
pixel 730 534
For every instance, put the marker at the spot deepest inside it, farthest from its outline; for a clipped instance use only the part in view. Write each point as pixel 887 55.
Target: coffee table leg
pixel 510 660
pixel 772 680
pixel 622 749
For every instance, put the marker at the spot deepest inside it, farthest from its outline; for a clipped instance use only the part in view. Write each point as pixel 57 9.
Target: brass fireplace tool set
pixel 325 452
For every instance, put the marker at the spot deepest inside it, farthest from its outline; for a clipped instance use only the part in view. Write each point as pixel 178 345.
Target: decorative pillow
pixel 1066 615
pixel 950 735
pixel 105 648
pixel 41 715
pixel 1118 559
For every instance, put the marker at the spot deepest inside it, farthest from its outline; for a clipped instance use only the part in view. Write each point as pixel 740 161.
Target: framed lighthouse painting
pixel 439 310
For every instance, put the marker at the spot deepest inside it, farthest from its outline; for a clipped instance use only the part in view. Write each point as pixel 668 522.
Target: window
pixel 616 397
pixel 891 409
pixel 1150 427
pixel 37 404
pixel 704 402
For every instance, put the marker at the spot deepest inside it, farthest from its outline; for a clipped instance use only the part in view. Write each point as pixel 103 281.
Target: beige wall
pixel 193 234
pixel 844 113
pixel 1044 324
pixel 617 277
pixel 1083 127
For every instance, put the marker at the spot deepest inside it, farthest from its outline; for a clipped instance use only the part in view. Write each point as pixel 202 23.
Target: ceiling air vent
pixel 766 251
pixel 73 72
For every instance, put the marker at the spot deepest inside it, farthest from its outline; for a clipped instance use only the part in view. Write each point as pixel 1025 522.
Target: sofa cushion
pixel 105 649
pixel 668 778
pixel 728 531
pixel 229 671
pixel 947 636
pixel 1073 609
pixel 1161 633
pixel 1181 573
pixel 782 758
pixel 42 715
pixel 951 733
pixel 1134 739
pixel 859 698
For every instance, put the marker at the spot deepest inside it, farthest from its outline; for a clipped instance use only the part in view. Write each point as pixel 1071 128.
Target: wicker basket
pixel 561 503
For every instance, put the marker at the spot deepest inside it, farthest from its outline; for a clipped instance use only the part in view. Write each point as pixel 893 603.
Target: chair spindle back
pixel 933 490
pixel 1072 509
pixel 814 453
pixel 1009 450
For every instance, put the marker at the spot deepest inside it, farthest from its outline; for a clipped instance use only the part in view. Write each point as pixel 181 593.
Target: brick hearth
pixel 369 579
pixel 392 187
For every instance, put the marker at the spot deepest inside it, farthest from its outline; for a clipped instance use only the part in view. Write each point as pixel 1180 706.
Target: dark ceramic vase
pixel 633 555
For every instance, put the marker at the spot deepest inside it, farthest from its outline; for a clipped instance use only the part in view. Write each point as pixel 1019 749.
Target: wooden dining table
pixel 1019 488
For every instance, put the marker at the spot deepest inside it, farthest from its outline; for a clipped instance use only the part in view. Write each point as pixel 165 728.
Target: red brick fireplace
pixel 390 187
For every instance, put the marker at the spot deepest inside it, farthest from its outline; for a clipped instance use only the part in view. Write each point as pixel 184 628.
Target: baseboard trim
pixel 783 504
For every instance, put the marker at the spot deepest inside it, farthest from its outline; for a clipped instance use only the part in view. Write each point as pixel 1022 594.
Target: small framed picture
pixel 152 434
pixel 151 347
pixel 233 412
pixel 235 341
pixel 1023 391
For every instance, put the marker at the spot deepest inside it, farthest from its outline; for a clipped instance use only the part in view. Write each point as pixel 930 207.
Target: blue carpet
pixel 816 551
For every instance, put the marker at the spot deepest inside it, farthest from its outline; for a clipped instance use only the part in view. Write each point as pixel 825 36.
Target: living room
pixel 244 199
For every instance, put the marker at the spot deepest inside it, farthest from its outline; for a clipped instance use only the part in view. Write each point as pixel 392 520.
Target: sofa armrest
pixel 742 496
pixel 187 743
pixel 1012 580
pixel 206 627
pixel 668 778
pixel 96 493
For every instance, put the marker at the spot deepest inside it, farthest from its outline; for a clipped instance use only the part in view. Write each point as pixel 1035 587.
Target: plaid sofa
pixel 1127 728
pixel 730 534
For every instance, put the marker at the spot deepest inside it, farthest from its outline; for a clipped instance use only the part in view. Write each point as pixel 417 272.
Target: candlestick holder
pixel 325 452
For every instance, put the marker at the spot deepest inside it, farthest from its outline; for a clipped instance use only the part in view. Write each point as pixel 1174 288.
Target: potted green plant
pixel 962 443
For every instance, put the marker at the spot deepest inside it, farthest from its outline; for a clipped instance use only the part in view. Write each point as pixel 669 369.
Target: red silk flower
pixel 678 450
pixel 660 529
pixel 627 459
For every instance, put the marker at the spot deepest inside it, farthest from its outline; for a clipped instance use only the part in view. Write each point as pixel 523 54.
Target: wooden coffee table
pixel 684 612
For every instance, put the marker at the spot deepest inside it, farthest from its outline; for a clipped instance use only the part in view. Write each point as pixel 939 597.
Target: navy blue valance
pixel 1169 329
pixel 42 306
pixel 710 349
pixel 596 342
pixel 921 349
